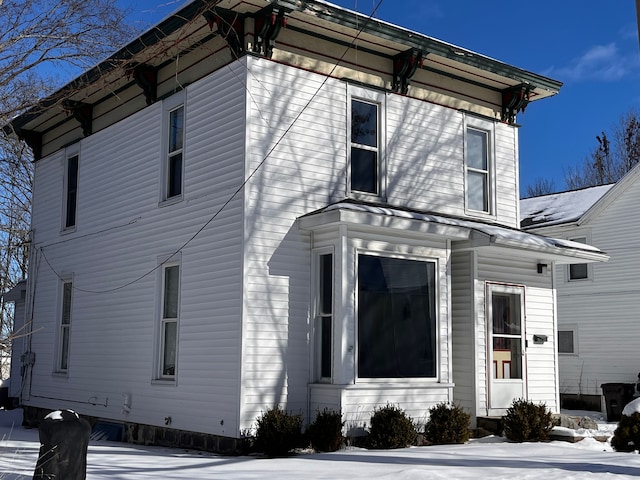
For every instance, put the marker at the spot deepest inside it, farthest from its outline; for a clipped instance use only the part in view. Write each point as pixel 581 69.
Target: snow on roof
pixel 499 234
pixel 559 208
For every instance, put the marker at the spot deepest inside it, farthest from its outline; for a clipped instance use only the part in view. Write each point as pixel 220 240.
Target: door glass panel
pixel 507 335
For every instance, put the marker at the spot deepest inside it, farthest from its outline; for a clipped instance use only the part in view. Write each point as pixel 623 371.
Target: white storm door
pixel 506 345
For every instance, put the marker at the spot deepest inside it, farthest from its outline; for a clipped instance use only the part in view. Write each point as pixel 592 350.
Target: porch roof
pixel 464 233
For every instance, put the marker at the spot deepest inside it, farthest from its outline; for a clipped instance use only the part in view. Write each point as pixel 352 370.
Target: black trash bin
pixel 616 396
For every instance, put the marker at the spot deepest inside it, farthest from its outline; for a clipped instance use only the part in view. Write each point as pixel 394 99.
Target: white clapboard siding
pixel 121 234
pixel 539 319
pixel 464 331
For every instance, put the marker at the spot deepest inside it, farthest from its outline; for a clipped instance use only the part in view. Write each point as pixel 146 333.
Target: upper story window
pixel 71 191
pixel 173 146
pixel 479 166
pixel 579 271
pixel 366 140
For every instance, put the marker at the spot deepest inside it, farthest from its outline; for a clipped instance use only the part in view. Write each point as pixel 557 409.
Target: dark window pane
pixel 326 284
pixel 171 281
pixel 364 170
pixel 364 123
pixel 396 318
pixel 325 347
pixel 506 314
pixel 176 123
pixel 170 344
pixel 565 341
pixel 72 191
pixel 578 271
pixel 175 175
pixel 66 303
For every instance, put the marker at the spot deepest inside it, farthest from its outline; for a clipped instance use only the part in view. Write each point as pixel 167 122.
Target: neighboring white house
pixel 598 304
pixel 236 212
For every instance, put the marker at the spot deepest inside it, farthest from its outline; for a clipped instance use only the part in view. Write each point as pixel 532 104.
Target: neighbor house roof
pixel 575 206
pixel 470 233
pixel 559 208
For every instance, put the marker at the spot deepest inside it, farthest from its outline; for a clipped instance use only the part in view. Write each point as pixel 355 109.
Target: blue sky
pixel 589 45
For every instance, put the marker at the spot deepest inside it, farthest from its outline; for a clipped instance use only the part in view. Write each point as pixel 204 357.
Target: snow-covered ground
pixel 488 458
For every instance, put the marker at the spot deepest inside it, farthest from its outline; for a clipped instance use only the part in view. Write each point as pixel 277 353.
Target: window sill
pixel 170 201
pixel 60 374
pixel 165 382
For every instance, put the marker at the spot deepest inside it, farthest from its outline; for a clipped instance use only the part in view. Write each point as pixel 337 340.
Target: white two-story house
pixel 264 203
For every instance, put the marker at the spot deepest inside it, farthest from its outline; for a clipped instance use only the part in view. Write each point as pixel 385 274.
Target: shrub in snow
pixel 391 428
pixel 447 424
pixel 626 437
pixel 278 432
pixel 527 422
pixel 325 433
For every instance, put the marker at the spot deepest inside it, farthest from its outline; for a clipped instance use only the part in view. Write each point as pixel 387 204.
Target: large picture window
pixel 396 317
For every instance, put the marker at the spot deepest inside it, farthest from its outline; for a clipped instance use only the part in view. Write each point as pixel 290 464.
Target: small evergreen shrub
pixel 391 428
pixel 626 437
pixel 325 433
pixel 278 432
pixel 527 422
pixel 447 424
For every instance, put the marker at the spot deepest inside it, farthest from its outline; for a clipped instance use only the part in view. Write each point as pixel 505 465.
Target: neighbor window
pixel 324 321
pixel 169 322
pixel 71 191
pixel 567 337
pixel 478 167
pixel 65 327
pixel 579 271
pixel 396 317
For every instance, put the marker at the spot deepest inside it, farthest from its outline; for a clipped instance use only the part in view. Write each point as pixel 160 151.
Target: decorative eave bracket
pixel 230 26
pixel 146 77
pixel 514 100
pixel 405 65
pixel 268 23
pixel 33 139
pixel 82 112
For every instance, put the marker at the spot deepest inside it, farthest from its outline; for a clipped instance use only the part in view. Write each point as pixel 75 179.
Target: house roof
pixel 469 233
pixel 182 29
pixel 559 208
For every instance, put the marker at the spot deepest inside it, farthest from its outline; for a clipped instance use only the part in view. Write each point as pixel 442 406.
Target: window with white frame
pixel 170 308
pixel 71 191
pixel 578 271
pixel 65 326
pixel 324 316
pixel 396 314
pixel 568 340
pixel 174 132
pixel 478 166
pixel 366 140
